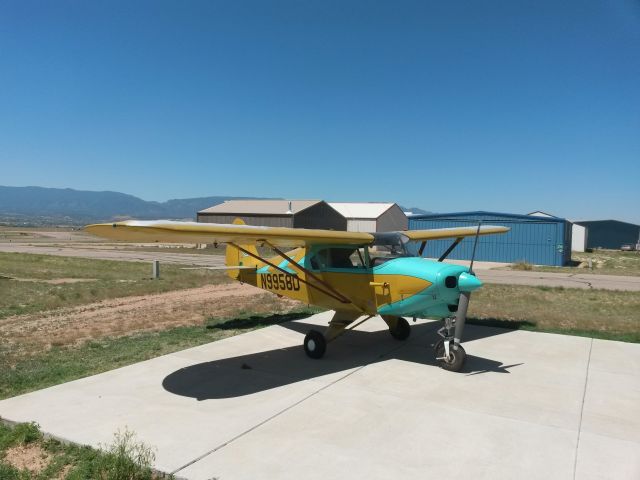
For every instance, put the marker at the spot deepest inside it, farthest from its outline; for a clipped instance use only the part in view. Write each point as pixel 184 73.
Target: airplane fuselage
pixel 403 286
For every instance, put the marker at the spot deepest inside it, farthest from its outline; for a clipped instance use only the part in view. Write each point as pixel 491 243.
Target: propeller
pixel 451 354
pixel 466 284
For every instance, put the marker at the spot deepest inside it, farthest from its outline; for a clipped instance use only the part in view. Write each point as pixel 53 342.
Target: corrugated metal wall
pixel 355 225
pixel 536 240
pixel 392 220
pixel 320 215
pixel 610 233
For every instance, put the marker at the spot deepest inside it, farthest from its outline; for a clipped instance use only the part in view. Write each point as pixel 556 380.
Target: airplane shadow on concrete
pixel 257 372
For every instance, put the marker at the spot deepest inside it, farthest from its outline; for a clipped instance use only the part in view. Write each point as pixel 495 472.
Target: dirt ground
pixel 31 457
pixel 25 334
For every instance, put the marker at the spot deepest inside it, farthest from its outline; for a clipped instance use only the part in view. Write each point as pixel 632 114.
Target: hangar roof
pixel 540 213
pixel 261 207
pixel 482 213
pixel 591 222
pixel 370 210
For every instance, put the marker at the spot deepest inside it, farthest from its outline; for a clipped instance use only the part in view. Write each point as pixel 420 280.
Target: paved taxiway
pixel 62 250
pixel 566 280
pixel 486 270
pixel 528 406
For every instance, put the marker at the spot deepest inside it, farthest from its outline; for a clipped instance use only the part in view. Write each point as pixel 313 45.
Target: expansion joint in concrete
pixel 584 394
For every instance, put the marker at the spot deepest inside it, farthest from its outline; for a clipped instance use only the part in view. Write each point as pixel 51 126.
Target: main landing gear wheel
pixel 455 361
pixel 314 344
pixel 402 330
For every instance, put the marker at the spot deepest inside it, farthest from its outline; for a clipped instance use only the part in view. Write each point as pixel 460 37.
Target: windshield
pixel 392 244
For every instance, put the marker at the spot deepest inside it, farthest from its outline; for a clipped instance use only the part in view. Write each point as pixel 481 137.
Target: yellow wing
pixel 192 232
pixel 456 232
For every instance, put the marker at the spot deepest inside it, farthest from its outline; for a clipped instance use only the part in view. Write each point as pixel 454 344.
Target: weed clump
pixel 21 434
pixel 126 459
pixel 522 265
pixel 27 433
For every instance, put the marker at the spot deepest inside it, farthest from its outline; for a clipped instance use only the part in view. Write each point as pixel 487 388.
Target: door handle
pixel 384 285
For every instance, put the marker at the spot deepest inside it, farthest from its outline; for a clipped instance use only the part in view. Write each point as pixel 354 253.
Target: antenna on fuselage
pixel 475 244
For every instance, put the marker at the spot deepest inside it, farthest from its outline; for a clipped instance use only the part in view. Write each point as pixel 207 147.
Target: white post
pixel 155 269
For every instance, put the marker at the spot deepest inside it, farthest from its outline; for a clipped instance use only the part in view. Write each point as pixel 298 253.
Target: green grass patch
pixel 109 279
pixel 605 262
pixel 124 459
pixel 606 314
pixel 20 434
pixel 632 337
pixel 63 364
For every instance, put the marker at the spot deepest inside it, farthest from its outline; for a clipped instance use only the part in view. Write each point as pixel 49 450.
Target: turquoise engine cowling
pixel 440 299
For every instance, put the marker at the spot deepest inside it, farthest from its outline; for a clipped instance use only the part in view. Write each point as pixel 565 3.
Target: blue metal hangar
pixel 536 240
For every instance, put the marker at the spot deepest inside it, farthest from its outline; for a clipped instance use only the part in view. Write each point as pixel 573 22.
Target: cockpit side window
pixel 336 257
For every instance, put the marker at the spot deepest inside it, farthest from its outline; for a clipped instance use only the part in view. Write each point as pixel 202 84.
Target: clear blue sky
pixel 498 105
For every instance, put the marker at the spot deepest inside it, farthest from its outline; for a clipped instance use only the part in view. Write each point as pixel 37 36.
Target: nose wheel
pixel 449 353
pixel 452 358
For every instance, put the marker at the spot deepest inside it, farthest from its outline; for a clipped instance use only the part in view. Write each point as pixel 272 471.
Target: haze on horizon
pixel 503 106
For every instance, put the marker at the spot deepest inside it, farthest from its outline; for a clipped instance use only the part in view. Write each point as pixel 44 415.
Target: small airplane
pixel 358 275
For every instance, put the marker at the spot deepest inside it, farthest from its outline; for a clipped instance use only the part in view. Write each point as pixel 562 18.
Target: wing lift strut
pixel 450 249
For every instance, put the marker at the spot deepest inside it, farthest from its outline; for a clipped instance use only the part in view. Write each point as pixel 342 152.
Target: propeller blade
pixel 461 317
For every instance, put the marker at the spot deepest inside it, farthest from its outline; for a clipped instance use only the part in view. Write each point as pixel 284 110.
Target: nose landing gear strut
pixel 449 353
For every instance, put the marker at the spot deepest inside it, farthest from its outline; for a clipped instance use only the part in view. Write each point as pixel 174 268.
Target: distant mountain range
pixel 65 206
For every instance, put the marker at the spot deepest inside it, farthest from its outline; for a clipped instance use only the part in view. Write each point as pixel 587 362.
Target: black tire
pixel 314 344
pixel 456 359
pixel 402 329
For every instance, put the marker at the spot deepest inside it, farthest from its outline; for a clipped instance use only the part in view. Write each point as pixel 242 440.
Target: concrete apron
pixel 527 405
